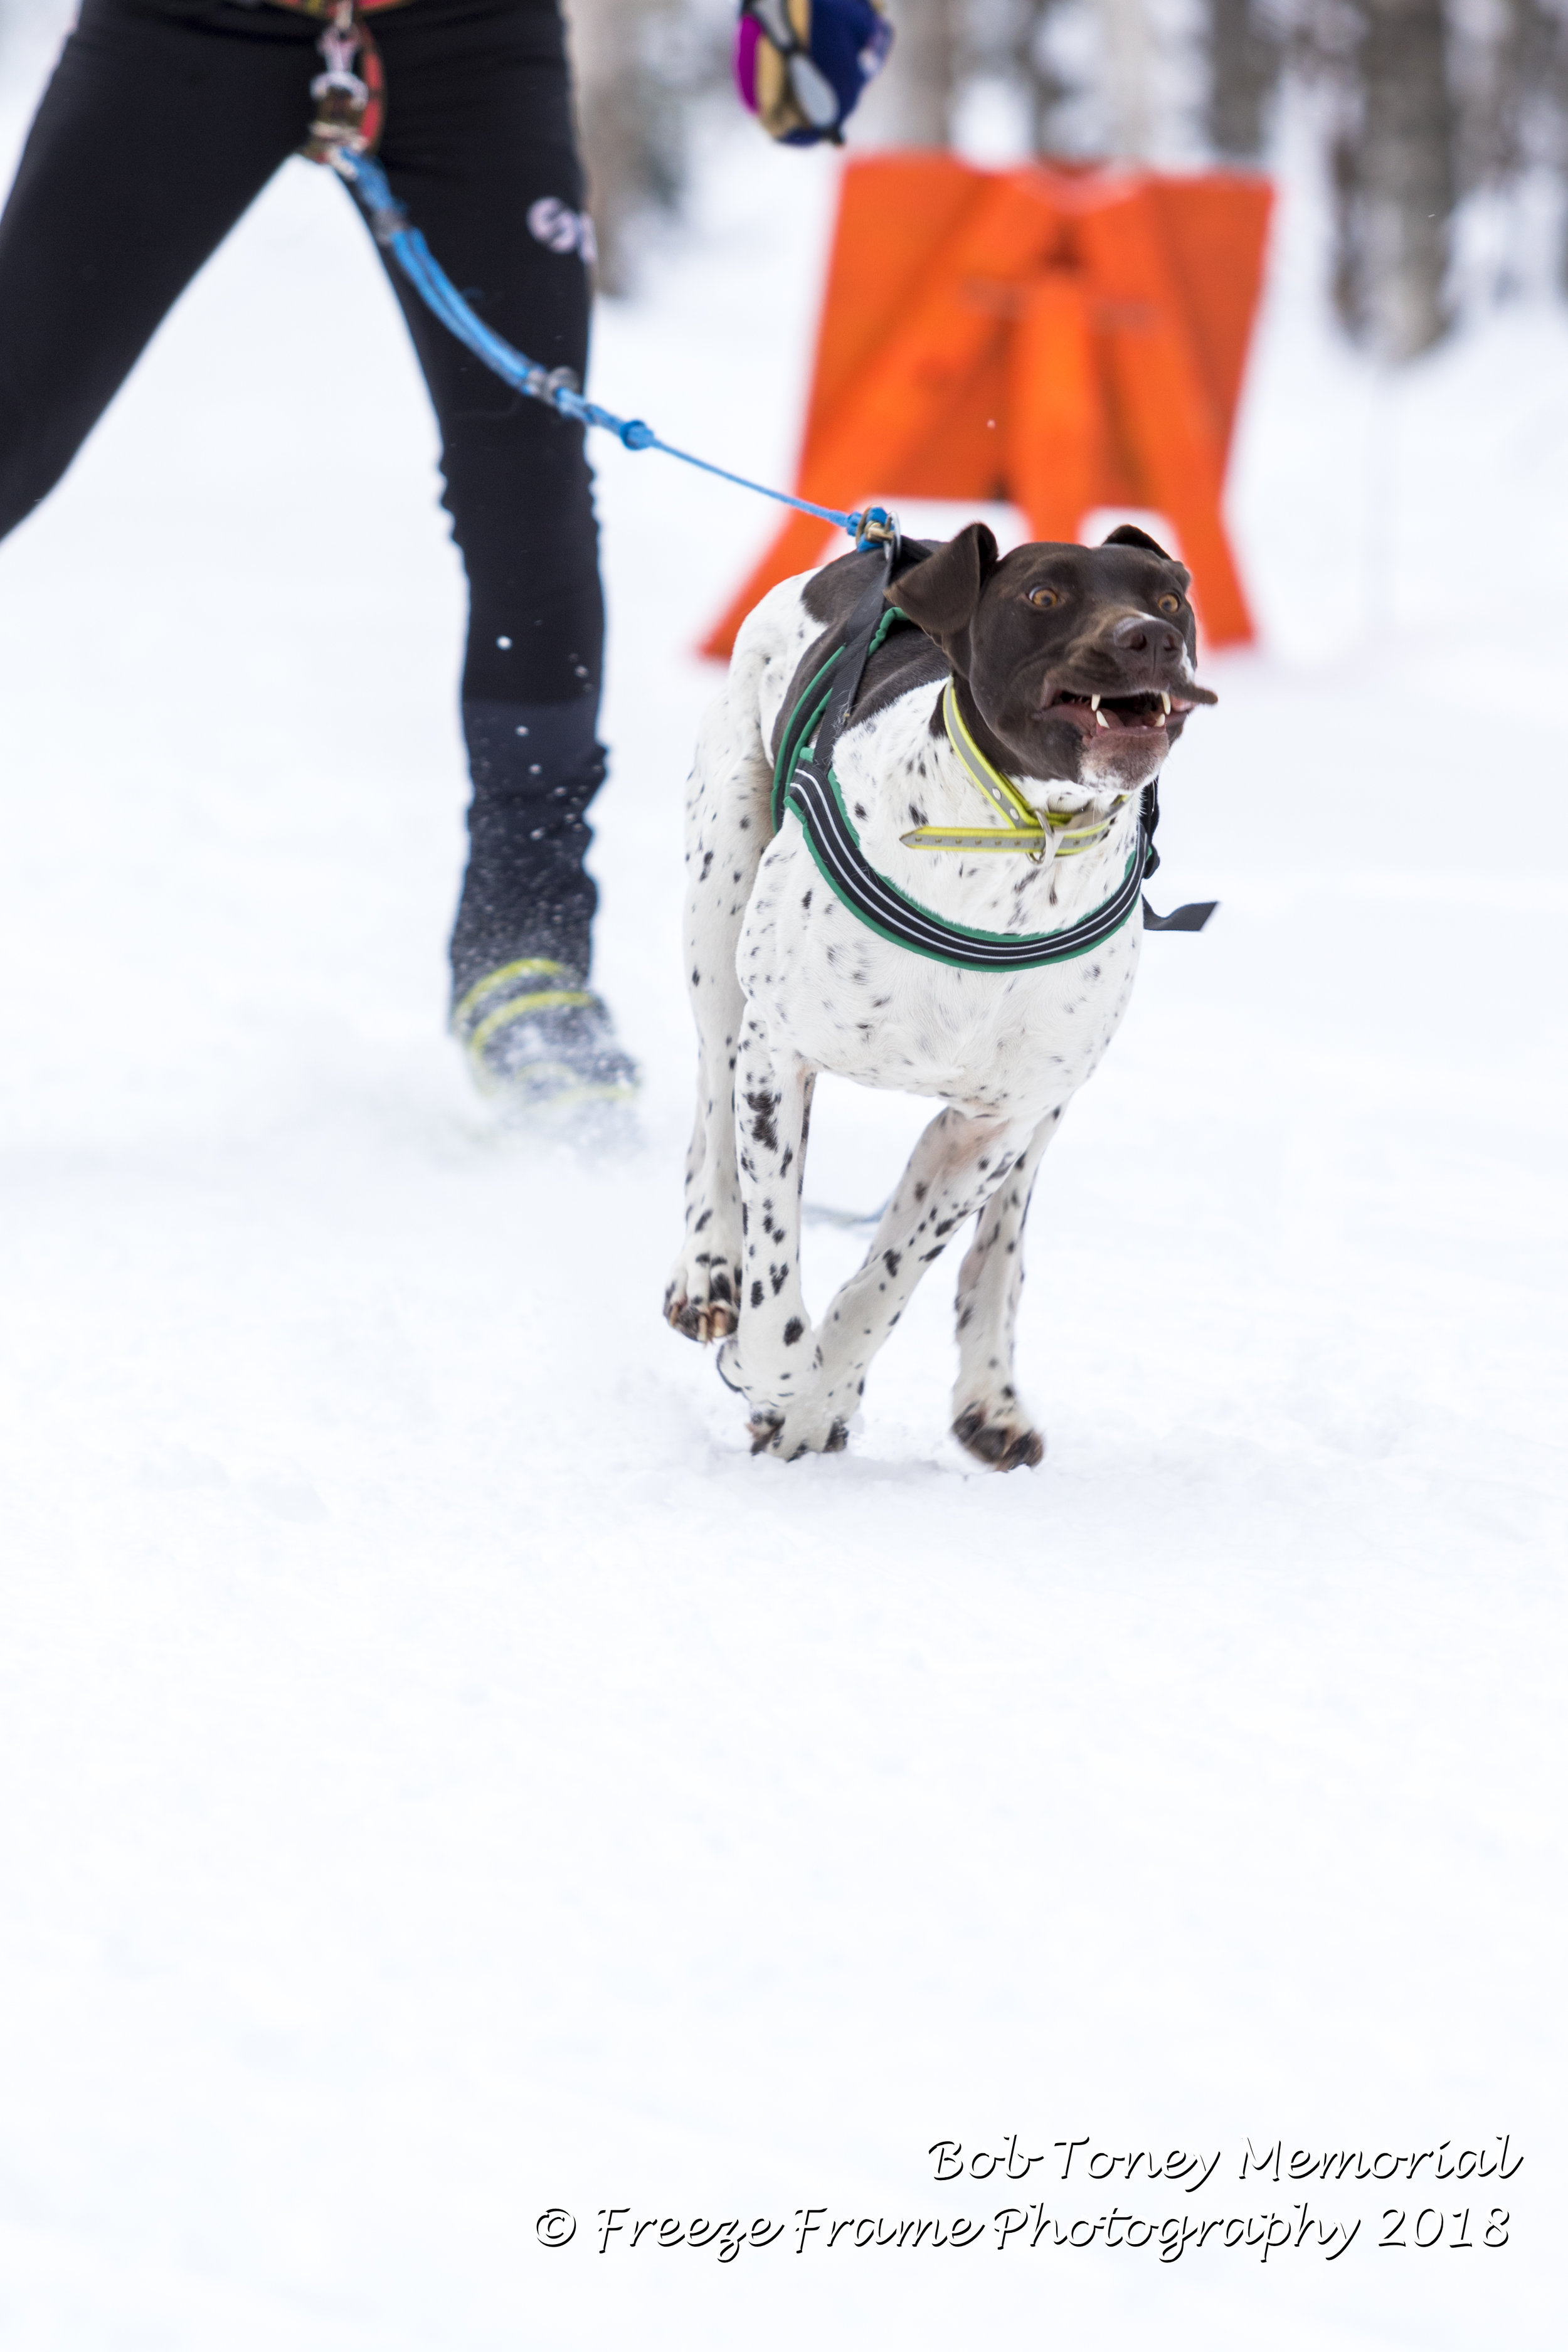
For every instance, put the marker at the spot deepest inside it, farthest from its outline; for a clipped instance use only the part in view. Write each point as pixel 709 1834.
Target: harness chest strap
pixel 807 785
pixel 883 907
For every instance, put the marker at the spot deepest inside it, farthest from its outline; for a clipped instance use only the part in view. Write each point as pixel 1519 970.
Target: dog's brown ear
pixel 940 595
pixel 1126 534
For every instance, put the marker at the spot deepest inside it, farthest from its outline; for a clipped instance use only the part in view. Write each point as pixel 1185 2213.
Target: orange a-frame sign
pixel 1063 338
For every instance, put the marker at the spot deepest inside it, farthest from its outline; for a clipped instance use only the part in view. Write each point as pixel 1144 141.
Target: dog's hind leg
pixel 727 827
pixel 989 1417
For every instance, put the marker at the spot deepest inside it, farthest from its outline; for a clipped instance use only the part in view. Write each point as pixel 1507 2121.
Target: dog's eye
pixel 1042 599
pixel 1170 604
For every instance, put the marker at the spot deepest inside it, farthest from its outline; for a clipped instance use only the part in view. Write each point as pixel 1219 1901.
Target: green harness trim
pixel 811 708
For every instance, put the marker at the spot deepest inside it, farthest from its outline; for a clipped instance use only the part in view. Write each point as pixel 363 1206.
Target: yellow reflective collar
pixel 1024 834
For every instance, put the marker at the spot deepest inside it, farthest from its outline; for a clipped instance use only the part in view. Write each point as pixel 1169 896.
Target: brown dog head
pixel 1073 664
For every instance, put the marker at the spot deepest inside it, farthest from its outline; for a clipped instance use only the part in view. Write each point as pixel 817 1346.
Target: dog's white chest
pixel 850 1001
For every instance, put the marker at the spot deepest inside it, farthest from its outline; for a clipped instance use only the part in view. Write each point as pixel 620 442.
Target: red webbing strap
pixel 325 8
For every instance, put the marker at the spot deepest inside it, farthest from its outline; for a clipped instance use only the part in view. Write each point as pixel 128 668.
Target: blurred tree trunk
pixel 1510 76
pixel 1031 64
pixel 911 102
pixel 630 118
pixel 1129 76
pixel 1394 173
pixel 1245 57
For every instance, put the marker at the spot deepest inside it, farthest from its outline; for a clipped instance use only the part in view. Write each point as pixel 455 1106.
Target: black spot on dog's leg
pixel 765 1116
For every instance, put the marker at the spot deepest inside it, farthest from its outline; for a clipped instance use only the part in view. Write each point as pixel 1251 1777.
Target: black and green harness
pixel 805 784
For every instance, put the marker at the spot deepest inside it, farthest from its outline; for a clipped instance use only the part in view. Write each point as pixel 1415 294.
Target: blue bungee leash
pixel 556 387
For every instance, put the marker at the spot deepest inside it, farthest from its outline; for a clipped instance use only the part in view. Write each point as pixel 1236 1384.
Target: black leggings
pixel 164 121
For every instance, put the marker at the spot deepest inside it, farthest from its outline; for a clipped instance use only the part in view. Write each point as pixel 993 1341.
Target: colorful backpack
pixel 801 64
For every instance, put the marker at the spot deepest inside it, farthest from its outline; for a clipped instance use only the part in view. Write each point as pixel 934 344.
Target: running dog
pixel 864 911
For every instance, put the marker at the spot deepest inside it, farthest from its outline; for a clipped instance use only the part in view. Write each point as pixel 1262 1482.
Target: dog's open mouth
pixel 1144 713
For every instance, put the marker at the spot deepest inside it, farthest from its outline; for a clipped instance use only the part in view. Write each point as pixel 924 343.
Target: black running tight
pixel 164 121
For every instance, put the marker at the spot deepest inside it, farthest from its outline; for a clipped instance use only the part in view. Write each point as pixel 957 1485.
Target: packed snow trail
pixel 445 1776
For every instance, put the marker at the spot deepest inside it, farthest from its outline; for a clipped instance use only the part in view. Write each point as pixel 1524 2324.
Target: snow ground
pixel 445 1776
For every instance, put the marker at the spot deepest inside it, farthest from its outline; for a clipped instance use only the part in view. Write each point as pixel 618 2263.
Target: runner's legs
pixel 164 121
pixel 157 131
pixel 479 136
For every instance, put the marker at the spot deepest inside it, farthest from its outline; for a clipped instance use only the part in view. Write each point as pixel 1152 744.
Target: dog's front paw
pixel 781 1423
pixel 1002 1441
pixel 702 1299
pixel 796 1432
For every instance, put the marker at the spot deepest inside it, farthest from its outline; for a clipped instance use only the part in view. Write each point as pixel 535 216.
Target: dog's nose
pixel 1141 632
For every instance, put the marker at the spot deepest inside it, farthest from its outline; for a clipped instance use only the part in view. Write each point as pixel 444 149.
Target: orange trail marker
pixel 1054 404
pixel 1064 339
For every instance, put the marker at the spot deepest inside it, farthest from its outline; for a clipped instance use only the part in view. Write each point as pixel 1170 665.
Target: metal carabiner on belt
pixel 349 96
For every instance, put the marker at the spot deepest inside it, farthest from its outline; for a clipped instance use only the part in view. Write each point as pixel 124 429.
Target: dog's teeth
pixel 1165 700
pixel 1094 702
pixel 1100 718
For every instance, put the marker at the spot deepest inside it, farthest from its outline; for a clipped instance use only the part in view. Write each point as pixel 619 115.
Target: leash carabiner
pixel 349 95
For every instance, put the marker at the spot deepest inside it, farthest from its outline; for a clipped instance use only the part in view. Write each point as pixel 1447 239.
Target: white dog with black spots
pixel 1072 671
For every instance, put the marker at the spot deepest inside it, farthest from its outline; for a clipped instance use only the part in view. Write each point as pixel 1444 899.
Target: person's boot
pixel 537 1040
pixel 540 1046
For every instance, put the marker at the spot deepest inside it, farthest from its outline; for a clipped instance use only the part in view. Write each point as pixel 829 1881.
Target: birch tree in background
pixel 1035 73
pixel 639 66
pixel 956 44
pixel 1128 71
pixel 911 102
